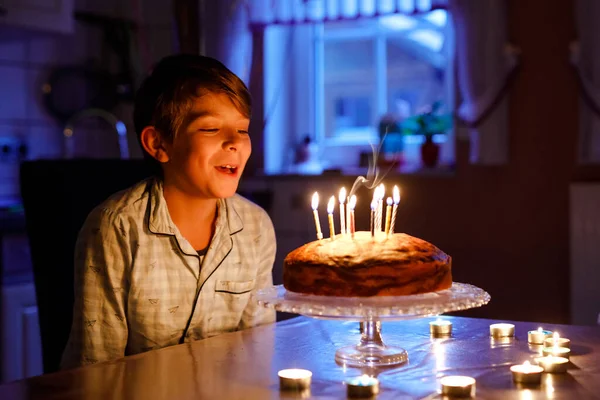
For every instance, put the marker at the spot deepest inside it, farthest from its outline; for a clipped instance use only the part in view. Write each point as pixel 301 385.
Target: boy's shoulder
pixel 127 200
pixel 247 209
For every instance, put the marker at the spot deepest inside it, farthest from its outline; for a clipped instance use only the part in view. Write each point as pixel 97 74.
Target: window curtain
pixel 225 28
pixel 485 65
pixel 585 57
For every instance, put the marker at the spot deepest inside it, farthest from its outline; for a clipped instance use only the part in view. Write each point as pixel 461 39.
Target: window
pixel 353 83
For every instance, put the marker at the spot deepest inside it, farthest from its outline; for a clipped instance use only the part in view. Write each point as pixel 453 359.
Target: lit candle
pixel 440 328
pixel 527 373
pixel 330 207
pixel 556 351
pixel 351 206
pixel 396 195
pixel 388 215
pixel 558 341
pixel 502 330
pixel 553 365
pixel 373 208
pixel 379 214
pixel 538 337
pixel 342 199
pixel 362 387
pixel 458 386
pixel 315 205
pixel 294 379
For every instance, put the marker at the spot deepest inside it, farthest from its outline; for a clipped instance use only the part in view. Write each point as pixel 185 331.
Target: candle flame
pixel 540 329
pixel 331 205
pixel 555 336
pixel 396 195
pixel 373 205
pixel 352 203
pixel 315 201
pixel 342 197
pixel 389 201
pixel 527 364
pixel 381 191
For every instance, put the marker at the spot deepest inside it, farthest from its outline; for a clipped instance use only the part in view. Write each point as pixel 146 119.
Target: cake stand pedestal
pixel 370 311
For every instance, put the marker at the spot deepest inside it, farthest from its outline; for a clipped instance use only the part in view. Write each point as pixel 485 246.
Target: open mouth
pixel 227 169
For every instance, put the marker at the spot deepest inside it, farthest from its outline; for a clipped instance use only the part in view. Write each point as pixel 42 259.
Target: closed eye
pixel 242 131
pixel 208 130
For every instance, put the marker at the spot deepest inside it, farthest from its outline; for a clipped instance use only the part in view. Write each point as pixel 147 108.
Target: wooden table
pixel 244 365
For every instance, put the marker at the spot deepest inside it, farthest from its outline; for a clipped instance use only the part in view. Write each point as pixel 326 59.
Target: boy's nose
pixel 232 142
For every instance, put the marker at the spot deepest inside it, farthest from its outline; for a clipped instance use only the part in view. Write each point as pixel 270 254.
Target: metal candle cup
pixel 362 387
pixel 538 336
pixel 558 342
pixel 502 330
pixel 527 373
pixel 440 328
pixel 458 386
pixel 294 379
pixel 553 365
pixel 557 351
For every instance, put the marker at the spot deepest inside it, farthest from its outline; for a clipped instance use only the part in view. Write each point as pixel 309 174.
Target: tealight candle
pixel 458 386
pixel 553 365
pixel 527 373
pixel 556 351
pixel 294 379
pixel 556 340
pixel 362 387
pixel 502 330
pixel 440 328
pixel 538 336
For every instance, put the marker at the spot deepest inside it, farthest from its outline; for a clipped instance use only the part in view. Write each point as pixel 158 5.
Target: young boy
pixel 180 256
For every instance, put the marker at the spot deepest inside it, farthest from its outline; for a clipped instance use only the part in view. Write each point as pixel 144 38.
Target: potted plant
pixel 430 121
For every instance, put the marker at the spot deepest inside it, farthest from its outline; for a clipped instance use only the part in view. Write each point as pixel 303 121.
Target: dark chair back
pixel 57 197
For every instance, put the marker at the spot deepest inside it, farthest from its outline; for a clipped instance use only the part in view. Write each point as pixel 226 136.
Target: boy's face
pixel 209 153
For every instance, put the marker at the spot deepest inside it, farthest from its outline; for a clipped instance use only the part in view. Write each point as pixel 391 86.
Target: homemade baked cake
pixel 365 266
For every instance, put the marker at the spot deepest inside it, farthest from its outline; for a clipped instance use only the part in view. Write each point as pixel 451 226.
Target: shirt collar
pixel 159 220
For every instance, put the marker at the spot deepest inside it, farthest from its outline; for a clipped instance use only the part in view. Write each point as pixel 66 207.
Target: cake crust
pixel 364 266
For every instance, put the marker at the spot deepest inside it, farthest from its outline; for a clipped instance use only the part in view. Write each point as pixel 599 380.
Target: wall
pixel 27 59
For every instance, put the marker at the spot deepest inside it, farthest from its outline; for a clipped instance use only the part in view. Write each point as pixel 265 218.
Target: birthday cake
pixel 364 265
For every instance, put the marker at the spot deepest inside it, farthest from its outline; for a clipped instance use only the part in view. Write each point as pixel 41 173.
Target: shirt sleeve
pixel 102 261
pixel 254 314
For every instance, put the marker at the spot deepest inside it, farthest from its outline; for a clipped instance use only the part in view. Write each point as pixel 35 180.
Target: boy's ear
pixel 153 142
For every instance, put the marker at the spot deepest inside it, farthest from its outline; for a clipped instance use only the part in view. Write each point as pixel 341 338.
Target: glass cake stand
pixel 370 311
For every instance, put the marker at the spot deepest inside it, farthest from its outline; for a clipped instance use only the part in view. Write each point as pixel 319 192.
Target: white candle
pixel 396 196
pixel 351 206
pixel 379 213
pixel 538 336
pixel 440 328
pixel 527 373
pixel 502 330
pixel 342 198
pixel 330 207
pixel 388 215
pixel 458 386
pixel 362 387
pixel 373 208
pixel 294 379
pixel 315 205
